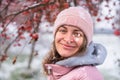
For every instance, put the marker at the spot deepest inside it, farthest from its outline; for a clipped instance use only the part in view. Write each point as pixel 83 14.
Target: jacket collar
pixel 57 71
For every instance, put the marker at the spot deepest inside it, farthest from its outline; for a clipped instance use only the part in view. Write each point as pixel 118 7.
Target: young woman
pixel 73 55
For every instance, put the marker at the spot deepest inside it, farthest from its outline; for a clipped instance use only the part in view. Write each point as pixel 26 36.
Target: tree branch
pixel 28 8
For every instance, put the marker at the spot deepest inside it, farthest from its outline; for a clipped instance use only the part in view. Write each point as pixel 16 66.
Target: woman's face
pixel 68 40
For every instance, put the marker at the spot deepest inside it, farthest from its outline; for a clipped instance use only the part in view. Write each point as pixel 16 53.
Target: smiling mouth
pixel 68 47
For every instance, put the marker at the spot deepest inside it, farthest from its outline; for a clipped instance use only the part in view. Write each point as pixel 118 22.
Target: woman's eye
pixel 77 34
pixel 62 30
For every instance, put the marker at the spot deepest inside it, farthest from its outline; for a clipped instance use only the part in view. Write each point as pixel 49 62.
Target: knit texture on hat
pixel 76 16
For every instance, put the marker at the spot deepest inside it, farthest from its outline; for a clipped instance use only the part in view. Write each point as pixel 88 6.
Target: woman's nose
pixel 69 38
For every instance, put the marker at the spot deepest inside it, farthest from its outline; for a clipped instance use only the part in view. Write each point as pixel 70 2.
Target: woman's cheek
pixel 79 41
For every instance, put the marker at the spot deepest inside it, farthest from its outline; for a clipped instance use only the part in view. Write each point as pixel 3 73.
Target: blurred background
pixel 26 28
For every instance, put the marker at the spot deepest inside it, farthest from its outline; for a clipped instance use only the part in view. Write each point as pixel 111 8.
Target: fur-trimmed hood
pixel 94 55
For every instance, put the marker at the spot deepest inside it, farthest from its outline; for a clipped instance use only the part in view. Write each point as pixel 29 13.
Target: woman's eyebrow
pixel 77 30
pixel 62 27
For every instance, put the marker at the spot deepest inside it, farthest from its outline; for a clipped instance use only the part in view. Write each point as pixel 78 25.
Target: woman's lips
pixel 68 47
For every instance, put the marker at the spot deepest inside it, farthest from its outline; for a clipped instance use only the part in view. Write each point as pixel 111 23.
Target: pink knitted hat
pixel 76 16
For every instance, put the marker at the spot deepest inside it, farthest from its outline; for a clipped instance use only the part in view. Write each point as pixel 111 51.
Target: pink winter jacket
pixel 79 67
pixel 79 73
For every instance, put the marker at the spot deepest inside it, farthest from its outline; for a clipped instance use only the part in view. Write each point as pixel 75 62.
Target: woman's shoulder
pixel 88 73
pixel 85 69
pixel 88 67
